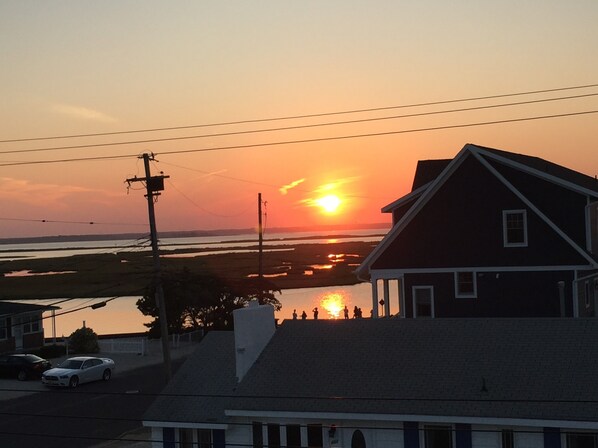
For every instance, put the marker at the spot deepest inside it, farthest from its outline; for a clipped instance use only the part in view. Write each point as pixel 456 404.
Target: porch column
pixel 386 298
pixel 374 298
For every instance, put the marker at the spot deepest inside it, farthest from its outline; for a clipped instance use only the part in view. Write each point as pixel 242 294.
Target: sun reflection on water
pixel 333 303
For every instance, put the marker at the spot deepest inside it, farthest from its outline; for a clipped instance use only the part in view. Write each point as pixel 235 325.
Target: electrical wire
pixel 314 115
pixel 287 128
pixel 51 221
pixel 312 140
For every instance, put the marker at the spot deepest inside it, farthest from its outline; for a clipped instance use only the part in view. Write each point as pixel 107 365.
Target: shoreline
pixel 126 273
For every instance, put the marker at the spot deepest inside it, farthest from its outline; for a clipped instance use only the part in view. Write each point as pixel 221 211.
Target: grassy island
pixel 296 265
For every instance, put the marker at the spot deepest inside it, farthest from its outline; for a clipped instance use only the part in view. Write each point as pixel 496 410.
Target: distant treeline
pixel 186 234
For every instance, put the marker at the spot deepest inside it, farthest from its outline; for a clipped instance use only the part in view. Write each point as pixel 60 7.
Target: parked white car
pixel 79 370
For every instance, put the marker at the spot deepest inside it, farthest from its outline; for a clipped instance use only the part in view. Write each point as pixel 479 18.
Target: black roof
pixel 528 368
pixel 10 308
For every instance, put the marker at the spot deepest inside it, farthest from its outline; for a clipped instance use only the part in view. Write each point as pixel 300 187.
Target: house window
pixel 358 440
pixel 185 438
pixel 3 329
pixel 30 325
pixel 423 301
pixel 438 436
pixel 204 438
pixel 465 284
pixel 273 435
pixel 314 436
pixel 293 436
pixel 507 438
pixel 258 435
pixel 514 228
pixel 582 440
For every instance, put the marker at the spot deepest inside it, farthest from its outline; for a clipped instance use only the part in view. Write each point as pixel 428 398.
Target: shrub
pixel 84 340
pixel 50 351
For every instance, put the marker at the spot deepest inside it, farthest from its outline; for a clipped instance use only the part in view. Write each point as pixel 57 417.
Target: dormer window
pixel 514 228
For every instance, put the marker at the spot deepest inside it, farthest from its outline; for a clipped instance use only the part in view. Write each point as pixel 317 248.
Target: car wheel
pixel 107 374
pixel 22 375
pixel 74 382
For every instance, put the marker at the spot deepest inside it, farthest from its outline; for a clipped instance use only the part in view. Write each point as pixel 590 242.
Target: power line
pixel 52 221
pixel 314 115
pixel 288 128
pixel 238 179
pixel 313 140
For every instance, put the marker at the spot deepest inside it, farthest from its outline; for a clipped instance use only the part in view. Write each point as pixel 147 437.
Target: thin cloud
pixel 285 188
pixel 83 113
pixel 43 195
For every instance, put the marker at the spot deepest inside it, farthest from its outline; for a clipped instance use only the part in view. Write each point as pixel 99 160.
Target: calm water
pixel 66 249
pixel 122 316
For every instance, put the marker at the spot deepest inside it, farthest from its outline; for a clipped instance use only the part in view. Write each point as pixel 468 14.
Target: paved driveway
pixel 12 388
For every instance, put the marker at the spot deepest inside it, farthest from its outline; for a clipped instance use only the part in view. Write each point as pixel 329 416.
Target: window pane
pixel 438 437
pixel 186 438
pixel 293 436
pixel 515 227
pixel 273 435
pixel 581 440
pixel 423 302
pixel 465 283
pixel 314 436
pixel 204 438
pixel 507 438
pixel 358 441
pixel 258 436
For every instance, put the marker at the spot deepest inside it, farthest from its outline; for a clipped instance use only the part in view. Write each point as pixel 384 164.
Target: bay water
pixel 122 316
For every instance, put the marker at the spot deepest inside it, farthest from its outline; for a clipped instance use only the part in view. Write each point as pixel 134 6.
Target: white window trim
pixel 470 295
pixel 504 228
pixel 413 289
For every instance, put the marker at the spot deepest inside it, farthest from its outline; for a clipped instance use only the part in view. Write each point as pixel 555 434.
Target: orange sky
pixel 98 67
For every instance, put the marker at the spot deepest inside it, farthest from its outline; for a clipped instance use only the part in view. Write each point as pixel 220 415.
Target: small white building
pixel 400 383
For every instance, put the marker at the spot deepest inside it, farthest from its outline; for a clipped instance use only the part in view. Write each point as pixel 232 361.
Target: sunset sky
pixel 109 67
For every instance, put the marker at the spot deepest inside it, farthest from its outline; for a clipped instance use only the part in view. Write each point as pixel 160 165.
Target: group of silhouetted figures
pixel 357 313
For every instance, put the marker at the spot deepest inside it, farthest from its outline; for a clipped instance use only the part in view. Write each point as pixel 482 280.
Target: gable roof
pixel 531 165
pixel 540 369
pixel 428 170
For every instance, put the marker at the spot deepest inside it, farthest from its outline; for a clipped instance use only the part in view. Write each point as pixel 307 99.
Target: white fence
pixel 144 346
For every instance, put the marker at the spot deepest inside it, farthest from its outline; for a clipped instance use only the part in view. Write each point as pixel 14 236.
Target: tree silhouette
pixel 200 300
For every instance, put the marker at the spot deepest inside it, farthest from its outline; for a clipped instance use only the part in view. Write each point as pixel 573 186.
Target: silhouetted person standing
pixel 315 310
pixel 294 314
pixel 303 315
pixel 346 311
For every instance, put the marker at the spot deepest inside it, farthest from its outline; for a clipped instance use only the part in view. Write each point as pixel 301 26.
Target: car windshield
pixel 71 364
pixel 32 358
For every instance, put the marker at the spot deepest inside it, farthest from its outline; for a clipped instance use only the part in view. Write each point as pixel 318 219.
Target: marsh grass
pixel 129 273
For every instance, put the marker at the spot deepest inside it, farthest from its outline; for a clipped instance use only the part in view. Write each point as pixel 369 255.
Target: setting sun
pixel 329 203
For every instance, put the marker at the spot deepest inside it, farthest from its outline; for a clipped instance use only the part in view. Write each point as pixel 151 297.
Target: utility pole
pixel 260 272
pixel 153 185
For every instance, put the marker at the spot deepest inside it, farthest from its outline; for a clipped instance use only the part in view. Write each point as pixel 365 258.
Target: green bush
pixel 83 340
pixel 50 351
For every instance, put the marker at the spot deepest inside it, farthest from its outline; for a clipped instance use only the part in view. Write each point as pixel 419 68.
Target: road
pixel 88 416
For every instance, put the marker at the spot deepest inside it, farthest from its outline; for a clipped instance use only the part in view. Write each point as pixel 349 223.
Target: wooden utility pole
pixel 153 186
pixel 260 272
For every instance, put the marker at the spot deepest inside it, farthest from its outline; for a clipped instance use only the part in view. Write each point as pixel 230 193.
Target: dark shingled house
pixel 489 234
pixel 21 326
